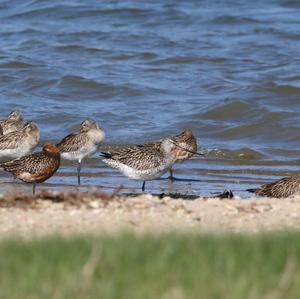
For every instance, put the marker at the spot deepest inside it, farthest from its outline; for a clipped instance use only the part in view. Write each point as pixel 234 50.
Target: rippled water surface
pixel 230 72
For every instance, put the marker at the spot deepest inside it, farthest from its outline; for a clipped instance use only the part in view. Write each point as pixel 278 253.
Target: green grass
pixel 172 266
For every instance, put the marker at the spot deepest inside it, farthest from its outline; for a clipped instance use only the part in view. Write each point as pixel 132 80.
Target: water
pixel 230 72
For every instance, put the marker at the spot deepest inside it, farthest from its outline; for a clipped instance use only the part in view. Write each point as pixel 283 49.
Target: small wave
pixel 229 110
pixel 147 55
pixel 177 60
pixel 266 30
pixel 79 82
pixel 267 130
pixel 240 154
pixel 249 121
pixel 286 34
pixel 32 43
pixel 283 89
pixel 77 85
pixel 290 3
pixel 75 48
pixel 142 56
pixel 41 11
pixel 233 20
pixel 78 11
pixel 15 64
pixel 34 84
pixel 134 11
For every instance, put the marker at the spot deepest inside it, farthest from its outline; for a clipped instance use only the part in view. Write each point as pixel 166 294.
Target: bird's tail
pixel 105 155
pixel 3 164
pixel 10 165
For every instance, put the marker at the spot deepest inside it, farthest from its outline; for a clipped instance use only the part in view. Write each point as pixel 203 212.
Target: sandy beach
pixel 99 213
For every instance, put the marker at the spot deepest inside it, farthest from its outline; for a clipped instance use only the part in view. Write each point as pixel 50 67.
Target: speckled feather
pixel 76 146
pixel 12 140
pixel 13 122
pixel 40 165
pixel 139 157
pixel 73 142
pixel 7 127
pixel 282 188
pixel 186 140
pixel 149 155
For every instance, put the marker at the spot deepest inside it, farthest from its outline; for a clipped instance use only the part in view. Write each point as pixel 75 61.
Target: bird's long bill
pixel 189 151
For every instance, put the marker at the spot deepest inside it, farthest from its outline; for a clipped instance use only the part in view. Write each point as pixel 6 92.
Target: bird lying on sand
pixel 285 187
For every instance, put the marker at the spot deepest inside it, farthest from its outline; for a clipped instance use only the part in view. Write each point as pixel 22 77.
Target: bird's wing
pixel 33 163
pixel 140 157
pixel 284 187
pixel 10 140
pixel 72 142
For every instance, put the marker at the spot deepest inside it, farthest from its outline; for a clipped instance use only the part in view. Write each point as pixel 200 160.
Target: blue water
pixel 227 70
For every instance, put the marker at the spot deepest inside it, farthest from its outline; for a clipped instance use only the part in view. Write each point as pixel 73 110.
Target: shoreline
pixel 69 213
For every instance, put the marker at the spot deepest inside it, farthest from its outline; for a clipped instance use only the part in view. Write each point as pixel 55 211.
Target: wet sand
pixel 99 213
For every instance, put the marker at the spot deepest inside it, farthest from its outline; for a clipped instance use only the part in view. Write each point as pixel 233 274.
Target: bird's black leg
pixel 143 187
pixel 78 172
pixel 33 188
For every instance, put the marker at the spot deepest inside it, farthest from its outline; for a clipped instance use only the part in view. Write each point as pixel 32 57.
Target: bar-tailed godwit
pixel 35 168
pixel 79 145
pixel 285 187
pixel 186 147
pixel 143 162
pixel 19 143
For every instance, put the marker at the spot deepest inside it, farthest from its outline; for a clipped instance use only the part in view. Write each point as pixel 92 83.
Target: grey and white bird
pixel 77 146
pixel 143 162
pixel 19 143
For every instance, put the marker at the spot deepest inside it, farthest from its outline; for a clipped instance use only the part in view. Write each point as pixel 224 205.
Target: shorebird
pixel 186 144
pixel 284 187
pixel 143 162
pixel 80 145
pixel 13 122
pixel 19 143
pixel 35 168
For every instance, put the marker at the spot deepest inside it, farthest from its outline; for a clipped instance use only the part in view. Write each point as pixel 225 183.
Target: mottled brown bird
pixel 143 162
pixel 77 146
pixel 282 188
pixel 186 147
pixel 35 168
pixel 19 143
